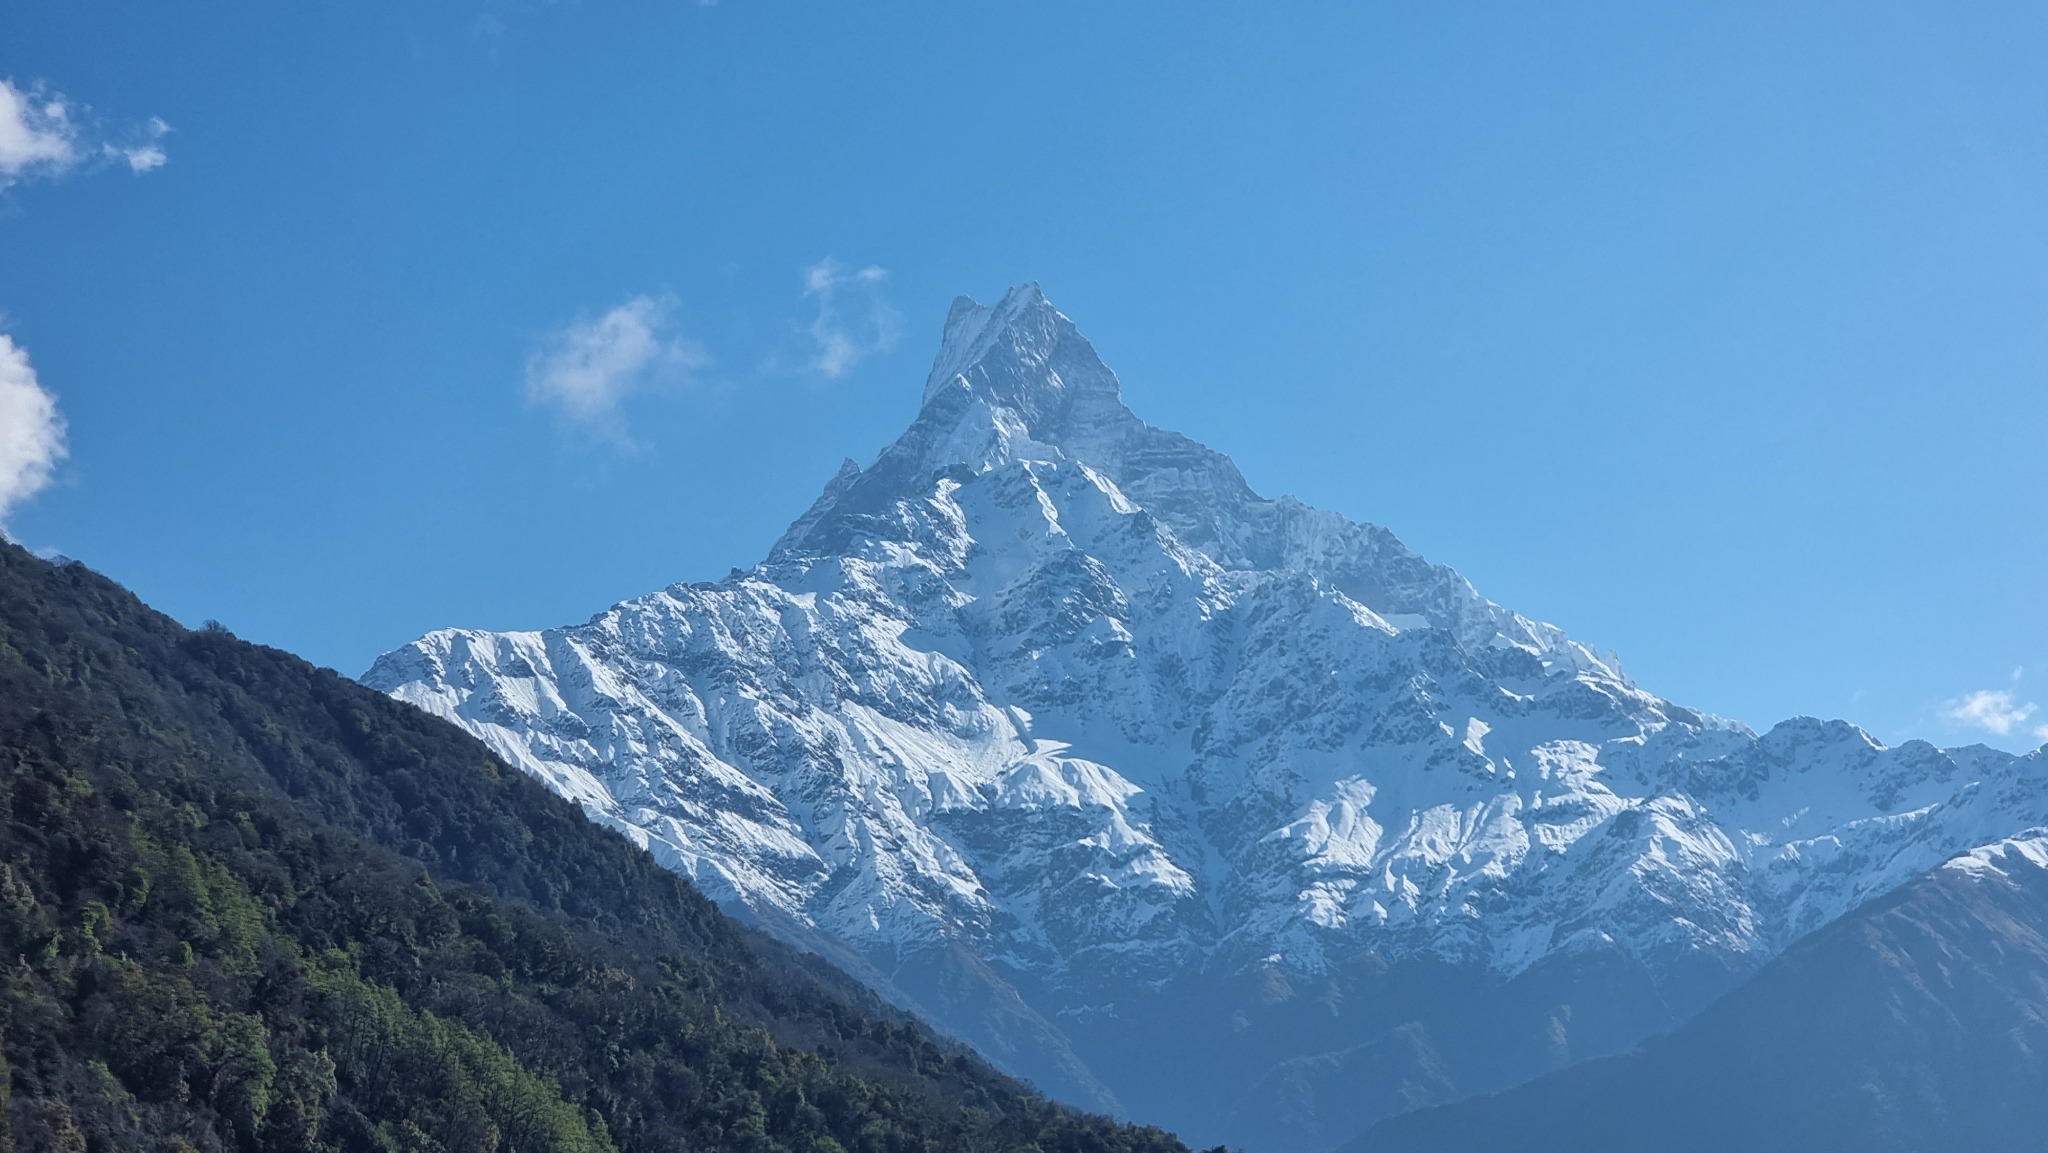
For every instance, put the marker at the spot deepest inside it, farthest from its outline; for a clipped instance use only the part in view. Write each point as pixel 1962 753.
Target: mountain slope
pixel 250 905
pixel 1918 1023
pixel 1179 798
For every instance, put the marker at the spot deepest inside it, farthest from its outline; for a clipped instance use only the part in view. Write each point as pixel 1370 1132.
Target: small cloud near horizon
pixel 42 135
pixel 1995 711
pixel 853 321
pixel 31 430
pixel 585 370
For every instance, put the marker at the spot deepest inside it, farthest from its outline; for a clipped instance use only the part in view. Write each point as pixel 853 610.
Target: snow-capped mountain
pixel 1228 809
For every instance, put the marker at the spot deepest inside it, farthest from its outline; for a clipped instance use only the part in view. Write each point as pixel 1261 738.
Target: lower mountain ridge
pixel 249 905
pixel 1212 809
pixel 1917 1024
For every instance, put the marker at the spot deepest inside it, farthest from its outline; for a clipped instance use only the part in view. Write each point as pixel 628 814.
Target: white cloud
pixel 41 135
pixel 37 136
pixel 31 430
pixel 586 370
pixel 853 321
pixel 148 153
pixel 145 158
pixel 1993 710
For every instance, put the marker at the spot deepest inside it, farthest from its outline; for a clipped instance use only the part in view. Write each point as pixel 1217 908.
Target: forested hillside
pixel 247 904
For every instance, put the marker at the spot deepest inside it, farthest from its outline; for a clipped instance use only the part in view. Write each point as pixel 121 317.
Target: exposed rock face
pixel 1228 810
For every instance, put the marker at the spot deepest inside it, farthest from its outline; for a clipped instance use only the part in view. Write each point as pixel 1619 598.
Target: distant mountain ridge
pixel 1916 1024
pixel 1228 811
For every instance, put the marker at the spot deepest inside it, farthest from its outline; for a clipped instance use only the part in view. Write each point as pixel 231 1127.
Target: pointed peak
pixel 964 309
pixel 973 330
pixel 1022 352
pixel 1021 298
pixel 1013 381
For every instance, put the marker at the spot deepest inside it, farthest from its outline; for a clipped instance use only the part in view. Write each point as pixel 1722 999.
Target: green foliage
pixel 442 1076
pixel 249 905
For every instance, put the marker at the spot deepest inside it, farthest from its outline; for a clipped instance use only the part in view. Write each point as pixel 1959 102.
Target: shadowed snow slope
pixel 1917 1024
pixel 1228 811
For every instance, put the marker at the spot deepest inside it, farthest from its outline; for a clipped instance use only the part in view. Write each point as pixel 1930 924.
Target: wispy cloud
pixel 146 152
pixel 1992 710
pixel 853 320
pixel 585 370
pixel 31 430
pixel 42 135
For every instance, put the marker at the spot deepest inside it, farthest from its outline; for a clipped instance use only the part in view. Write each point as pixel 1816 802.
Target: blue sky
pixel 1717 334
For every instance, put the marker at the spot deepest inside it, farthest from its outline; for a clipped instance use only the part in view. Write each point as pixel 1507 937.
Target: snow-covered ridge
pixel 1055 685
pixel 2003 857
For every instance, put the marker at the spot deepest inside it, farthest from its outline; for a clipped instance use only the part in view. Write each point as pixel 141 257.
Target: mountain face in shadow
pixel 1917 1024
pixel 250 905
